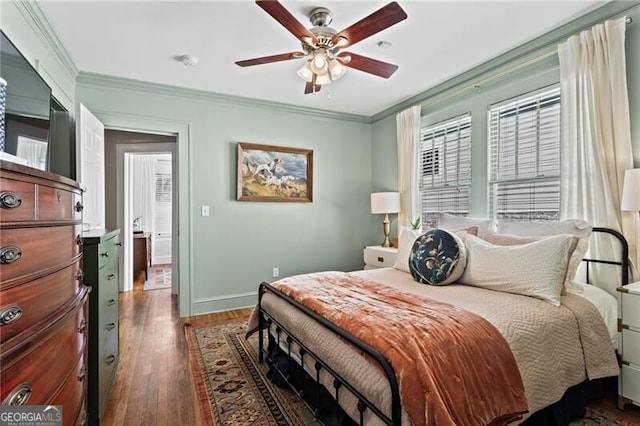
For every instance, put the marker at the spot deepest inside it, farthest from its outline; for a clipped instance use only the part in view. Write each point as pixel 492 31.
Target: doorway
pixel 142 167
pixel 148 200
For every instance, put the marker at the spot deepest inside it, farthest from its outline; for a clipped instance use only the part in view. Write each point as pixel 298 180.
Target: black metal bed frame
pixel 265 320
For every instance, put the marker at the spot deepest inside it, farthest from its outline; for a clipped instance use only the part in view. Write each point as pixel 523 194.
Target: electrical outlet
pixel 205 210
pixel 276 272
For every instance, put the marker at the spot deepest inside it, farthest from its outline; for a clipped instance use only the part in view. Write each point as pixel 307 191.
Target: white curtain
pixel 408 133
pixel 596 135
pixel 144 190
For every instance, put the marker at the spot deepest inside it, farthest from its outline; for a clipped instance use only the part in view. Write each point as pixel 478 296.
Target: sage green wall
pixel 458 98
pixel 238 245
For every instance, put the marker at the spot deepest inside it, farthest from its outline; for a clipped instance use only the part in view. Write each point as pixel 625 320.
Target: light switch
pixel 205 210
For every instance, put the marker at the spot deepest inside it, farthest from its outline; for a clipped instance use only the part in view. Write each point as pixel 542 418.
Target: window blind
pixel 444 165
pixel 524 157
pixel 163 204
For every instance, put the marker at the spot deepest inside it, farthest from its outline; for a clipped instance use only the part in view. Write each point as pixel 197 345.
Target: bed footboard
pixel 266 321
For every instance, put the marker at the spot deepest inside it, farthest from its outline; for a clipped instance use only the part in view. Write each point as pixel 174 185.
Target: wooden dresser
pixel 43 309
pixel 101 272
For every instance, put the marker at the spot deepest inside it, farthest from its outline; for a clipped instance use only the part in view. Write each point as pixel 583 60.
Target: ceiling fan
pixel 321 44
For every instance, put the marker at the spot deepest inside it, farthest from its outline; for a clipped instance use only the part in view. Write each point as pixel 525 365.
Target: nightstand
pixel 379 257
pixel 629 381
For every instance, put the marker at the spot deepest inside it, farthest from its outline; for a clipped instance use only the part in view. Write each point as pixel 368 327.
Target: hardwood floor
pixel 153 384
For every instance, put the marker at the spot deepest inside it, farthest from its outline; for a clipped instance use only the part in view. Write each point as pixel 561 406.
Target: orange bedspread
pixel 453 367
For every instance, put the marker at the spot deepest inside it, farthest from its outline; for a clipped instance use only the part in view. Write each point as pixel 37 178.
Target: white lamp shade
pixel 385 202
pixel 631 191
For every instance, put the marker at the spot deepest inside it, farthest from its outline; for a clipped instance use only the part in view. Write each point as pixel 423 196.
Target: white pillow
pixel 405 242
pixel 513 240
pixel 576 227
pixel 536 269
pixel 453 223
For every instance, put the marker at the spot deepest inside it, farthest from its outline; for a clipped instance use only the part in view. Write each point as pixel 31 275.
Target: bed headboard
pixel 624 255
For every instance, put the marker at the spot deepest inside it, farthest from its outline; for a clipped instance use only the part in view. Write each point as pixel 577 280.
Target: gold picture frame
pixel 274 173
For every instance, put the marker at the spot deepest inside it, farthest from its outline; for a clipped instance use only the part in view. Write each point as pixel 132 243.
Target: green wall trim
pixel 544 43
pixel 39 23
pixel 101 80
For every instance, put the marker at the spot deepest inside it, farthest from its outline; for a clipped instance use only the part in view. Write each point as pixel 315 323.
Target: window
pixel 163 203
pixel 524 157
pixel 444 165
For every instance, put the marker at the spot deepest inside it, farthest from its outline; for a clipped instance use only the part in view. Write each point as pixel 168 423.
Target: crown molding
pixel 39 23
pixel 518 55
pixel 102 80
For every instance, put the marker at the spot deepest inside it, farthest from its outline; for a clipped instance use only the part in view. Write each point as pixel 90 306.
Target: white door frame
pixel 124 219
pixel 182 267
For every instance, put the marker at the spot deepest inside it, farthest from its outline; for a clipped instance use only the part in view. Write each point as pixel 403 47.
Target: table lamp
pixel 385 202
pixel 631 191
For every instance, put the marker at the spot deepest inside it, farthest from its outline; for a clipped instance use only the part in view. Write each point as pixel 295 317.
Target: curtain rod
pixel 478 85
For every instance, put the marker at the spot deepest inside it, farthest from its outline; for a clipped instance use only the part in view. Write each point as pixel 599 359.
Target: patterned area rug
pixel 232 385
pixel 233 388
pixel 159 277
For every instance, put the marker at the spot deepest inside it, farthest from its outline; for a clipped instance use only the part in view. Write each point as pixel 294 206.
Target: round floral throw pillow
pixel 437 258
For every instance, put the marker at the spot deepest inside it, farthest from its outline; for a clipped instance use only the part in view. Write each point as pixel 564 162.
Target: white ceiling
pixel 440 39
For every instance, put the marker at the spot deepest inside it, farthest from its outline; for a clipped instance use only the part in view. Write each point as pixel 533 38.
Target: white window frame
pixel 528 187
pixel 445 186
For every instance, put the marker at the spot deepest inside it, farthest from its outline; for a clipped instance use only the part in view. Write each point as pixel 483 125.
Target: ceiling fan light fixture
pixel 305 72
pixel 322 79
pixel 342 42
pixel 336 69
pixel 319 62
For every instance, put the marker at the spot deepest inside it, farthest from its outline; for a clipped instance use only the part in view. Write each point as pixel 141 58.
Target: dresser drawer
pixel 631 382
pixel 37 299
pixel 58 204
pixel 631 310
pixel 44 367
pixel 17 200
pixel 108 252
pixel 631 347
pixel 108 276
pixel 29 251
pixel 71 395
pixel 379 257
pixel 107 364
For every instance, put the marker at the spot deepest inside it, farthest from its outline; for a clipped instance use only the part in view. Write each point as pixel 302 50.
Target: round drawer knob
pixel 10 254
pixel 9 200
pixel 9 314
pixel 19 395
pixel 110 326
pixel 80 275
pixel 79 207
pixel 105 254
pixel 110 360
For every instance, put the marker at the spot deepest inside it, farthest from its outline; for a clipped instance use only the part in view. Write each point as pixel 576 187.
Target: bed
pixel 559 351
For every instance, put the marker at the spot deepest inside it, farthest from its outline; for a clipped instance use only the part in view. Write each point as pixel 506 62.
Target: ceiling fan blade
pixel 308 88
pixel 366 64
pixel 273 58
pixel 287 20
pixel 379 20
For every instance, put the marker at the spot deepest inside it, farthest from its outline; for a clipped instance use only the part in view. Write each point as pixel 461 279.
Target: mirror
pixel 27 108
